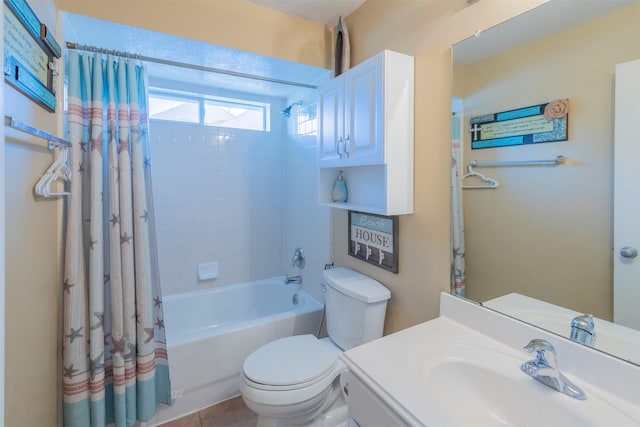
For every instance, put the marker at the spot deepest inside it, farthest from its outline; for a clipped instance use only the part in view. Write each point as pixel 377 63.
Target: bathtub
pixel 210 333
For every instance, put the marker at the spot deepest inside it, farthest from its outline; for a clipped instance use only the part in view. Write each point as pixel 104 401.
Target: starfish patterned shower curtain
pixel 115 367
pixel 458 285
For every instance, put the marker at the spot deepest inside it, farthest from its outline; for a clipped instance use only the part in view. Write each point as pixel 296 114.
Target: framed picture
pixel 530 125
pixel 30 52
pixel 374 239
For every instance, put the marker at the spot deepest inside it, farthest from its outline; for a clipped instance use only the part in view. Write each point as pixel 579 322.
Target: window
pixel 232 114
pixel 209 110
pixel 307 121
pixel 167 107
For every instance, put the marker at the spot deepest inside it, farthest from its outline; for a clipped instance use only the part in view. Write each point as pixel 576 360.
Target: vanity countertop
pixel 417 373
pixel 382 364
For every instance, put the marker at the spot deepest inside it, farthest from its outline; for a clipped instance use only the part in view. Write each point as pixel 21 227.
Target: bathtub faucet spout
pixel 292 279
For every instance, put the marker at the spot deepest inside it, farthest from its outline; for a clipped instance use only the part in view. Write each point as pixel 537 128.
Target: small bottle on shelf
pixel 339 194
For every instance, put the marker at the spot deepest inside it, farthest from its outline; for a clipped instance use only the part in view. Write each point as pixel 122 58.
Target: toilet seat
pixel 291 363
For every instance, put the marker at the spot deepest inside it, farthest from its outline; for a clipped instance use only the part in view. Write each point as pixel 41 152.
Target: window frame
pixel 203 99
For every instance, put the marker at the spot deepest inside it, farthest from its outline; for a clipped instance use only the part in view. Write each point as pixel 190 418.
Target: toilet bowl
pixel 293 380
pixel 296 381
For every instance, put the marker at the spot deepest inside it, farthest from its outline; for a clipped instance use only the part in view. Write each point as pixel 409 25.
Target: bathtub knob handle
pixel 298 258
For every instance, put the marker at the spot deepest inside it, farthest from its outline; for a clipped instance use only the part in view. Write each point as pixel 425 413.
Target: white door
pixel 626 235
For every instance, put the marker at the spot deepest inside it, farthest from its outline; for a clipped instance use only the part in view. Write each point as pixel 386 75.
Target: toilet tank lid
pixel 356 285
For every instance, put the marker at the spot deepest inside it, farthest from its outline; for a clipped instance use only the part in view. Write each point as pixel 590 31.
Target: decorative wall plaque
pixel 29 54
pixel 529 125
pixel 374 239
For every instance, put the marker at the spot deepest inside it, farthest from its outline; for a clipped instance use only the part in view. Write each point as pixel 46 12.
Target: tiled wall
pixel 218 197
pixel 245 199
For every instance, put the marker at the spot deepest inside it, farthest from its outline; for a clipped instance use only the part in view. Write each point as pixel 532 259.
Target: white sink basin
pixel 442 373
pixel 493 399
pixel 474 386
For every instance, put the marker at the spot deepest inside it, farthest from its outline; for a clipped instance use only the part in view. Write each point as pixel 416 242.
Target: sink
pixel 463 369
pixel 492 399
pixel 474 385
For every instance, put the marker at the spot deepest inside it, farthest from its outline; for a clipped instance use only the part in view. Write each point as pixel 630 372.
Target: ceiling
pixel 324 12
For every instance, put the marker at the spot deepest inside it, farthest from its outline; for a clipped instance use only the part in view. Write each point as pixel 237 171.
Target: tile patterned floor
pixel 230 413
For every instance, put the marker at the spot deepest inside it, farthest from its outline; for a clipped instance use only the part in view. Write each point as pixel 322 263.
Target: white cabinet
pixel 351 111
pixel 366 130
pixel 367 408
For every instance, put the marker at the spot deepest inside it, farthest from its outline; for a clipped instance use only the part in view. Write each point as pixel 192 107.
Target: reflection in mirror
pixel 545 233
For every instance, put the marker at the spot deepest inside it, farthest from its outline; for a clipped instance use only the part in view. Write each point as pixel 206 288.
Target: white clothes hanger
pixel 62 172
pixel 490 182
pixel 59 170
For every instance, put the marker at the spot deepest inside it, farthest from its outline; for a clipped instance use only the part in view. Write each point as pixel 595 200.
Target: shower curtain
pixel 115 367
pixel 457 219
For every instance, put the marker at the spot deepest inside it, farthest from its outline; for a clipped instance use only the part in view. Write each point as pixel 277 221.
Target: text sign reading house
pixel 374 239
pixel 29 52
pixel 529 125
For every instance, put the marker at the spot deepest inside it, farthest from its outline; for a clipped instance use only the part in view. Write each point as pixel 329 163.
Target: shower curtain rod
pixel 77 46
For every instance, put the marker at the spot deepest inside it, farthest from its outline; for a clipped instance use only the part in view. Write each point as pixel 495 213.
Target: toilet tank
pixel 355 307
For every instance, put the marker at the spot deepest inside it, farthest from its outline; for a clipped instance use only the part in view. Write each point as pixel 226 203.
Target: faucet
pixel 544 368
pixel 582 329
pixel 292 279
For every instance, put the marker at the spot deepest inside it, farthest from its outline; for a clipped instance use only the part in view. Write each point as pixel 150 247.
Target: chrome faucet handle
pixel 539 345
pixel 544 368
pixel 542 347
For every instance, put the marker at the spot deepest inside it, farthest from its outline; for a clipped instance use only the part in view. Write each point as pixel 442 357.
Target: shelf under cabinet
pixel 370 188
pixel 356 207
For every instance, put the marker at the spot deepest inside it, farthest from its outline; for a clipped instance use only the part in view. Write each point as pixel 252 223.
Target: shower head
pixel 287 111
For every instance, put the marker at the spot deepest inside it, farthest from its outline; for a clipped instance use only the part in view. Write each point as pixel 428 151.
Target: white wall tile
pixel 218 196
pixel 245 199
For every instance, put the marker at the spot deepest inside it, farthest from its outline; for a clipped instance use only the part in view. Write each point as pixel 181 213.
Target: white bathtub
pixel 210 333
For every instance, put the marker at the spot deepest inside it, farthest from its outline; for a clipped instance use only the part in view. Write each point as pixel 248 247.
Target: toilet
pixel 296 381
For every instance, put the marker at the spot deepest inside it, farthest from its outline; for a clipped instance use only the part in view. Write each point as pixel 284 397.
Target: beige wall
pixel 32 275
pixel 547 231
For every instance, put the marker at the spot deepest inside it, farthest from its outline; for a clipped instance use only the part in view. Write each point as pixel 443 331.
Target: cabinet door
pixel 363 114
pixel 331 129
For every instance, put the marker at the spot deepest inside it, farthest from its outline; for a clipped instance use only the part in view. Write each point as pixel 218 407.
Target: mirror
pixel 539 245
